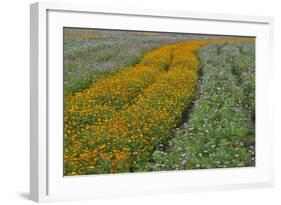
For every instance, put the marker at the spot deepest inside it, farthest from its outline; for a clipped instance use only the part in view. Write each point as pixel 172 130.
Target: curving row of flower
pixel 116 124
pixel 91 108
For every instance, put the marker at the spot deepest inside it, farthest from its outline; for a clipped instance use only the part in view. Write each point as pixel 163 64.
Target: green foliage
pixel 243 67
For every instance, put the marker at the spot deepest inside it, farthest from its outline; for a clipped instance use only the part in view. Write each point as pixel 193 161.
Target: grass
pixel 218 133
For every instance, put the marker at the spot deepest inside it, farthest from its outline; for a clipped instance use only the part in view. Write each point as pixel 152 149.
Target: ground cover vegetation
pixel 181 105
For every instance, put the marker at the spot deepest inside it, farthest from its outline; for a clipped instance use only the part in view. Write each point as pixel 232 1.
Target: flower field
pixel 125 121
pixel 220 129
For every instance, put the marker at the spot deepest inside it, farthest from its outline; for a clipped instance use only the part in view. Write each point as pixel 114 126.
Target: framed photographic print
pixel 127 101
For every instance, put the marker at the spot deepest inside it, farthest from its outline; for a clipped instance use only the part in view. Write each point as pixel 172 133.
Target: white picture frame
pixel 46 178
